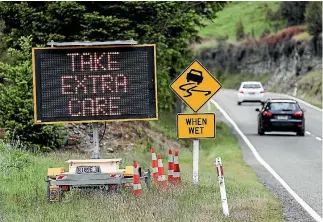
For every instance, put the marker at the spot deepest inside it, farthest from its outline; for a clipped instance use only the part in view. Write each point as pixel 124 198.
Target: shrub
pixel 16 104
pixel 287 33
pixel 293 12
pixel 239 31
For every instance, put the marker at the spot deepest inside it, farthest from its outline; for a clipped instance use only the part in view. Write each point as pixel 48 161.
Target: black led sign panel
pixel 93 84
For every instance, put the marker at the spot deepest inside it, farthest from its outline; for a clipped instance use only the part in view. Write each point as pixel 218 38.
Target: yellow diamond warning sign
pixel 195 126
pixel 195 86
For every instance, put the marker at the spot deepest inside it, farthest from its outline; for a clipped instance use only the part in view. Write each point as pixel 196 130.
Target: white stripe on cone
pixel 161 178
pixel 137 187
pixel 176 174
pixel 170 172
pixel 136 172
pixel 155 170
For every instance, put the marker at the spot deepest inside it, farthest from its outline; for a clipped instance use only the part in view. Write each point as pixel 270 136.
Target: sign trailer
pixel 99 82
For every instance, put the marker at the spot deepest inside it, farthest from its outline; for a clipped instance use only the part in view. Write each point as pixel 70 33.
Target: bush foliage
pixel 16 104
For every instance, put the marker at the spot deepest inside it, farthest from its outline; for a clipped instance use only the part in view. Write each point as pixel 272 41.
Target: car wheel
pixel 300 133
pixel 239 103
pixel 260 131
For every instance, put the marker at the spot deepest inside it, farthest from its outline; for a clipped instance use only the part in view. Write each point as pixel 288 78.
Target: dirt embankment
pixel 117 137
pixel 282 57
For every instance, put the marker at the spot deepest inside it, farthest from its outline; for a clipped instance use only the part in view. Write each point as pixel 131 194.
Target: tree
pixel 239 31
pixel 313 17
pixel 293 12
pixel 171 25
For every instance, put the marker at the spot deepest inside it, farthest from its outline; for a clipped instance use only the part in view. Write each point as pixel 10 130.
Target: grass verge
pixel 23 198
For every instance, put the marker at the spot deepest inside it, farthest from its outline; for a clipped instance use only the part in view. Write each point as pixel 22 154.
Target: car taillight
pixel 262 91
pixel 298 114
pixel 267 113
pixel 241 91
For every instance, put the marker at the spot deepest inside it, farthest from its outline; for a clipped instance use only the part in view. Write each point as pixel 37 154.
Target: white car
pixel 251 92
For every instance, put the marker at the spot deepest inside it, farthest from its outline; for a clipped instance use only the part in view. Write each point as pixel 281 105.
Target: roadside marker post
pixel 219 169
pixel 209 106
pixel 196 86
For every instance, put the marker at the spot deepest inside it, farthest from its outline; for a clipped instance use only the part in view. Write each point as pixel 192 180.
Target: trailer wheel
pixel 54 193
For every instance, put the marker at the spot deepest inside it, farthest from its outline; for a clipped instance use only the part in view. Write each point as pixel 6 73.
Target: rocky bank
pixel 285 59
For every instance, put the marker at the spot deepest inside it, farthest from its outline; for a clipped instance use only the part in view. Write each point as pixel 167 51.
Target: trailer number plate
pixel 87 169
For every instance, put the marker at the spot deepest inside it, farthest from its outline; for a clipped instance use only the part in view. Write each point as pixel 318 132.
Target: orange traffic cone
pixel 176 174
pixel 161 174
pixel 154 164
pixel 136 181
pixel 170 166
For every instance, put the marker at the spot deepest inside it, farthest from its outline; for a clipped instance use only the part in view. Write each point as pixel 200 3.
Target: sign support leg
pixel 196 149
pixel 96 145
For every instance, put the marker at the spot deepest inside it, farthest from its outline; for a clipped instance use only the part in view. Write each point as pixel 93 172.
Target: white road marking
pixel 318 138
pixel 315 215
pixel 308 133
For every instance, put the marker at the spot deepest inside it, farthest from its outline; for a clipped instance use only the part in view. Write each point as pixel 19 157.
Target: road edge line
pixel 315 215
pixel 302 101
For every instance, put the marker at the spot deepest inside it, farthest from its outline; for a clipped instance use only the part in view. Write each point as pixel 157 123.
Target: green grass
pixel 252 15
pixel 310 88
pixel 22 187
pixel 304 36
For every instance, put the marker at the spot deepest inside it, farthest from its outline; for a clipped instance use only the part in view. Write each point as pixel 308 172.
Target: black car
pixel 281 115
pixel 195 76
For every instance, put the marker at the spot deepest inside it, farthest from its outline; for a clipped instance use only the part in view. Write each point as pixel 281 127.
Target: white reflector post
pixel 224 200
pixel 196 150
pixel 209 106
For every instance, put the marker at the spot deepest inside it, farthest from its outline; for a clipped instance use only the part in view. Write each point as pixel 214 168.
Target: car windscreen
pixel 251 86
pixel 195 72
pixel 287 106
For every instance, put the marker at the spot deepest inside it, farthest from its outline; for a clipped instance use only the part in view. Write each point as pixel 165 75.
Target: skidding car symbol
pixel 195 76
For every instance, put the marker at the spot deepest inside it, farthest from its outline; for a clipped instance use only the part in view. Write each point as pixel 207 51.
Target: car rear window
pixel 282 106
pixel 251 86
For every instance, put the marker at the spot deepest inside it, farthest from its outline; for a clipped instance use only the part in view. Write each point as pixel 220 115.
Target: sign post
pixel 96 143
pixel 91 82
pixel 195 86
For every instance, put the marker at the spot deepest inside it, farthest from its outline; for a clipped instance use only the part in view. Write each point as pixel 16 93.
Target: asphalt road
pixel 298 160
